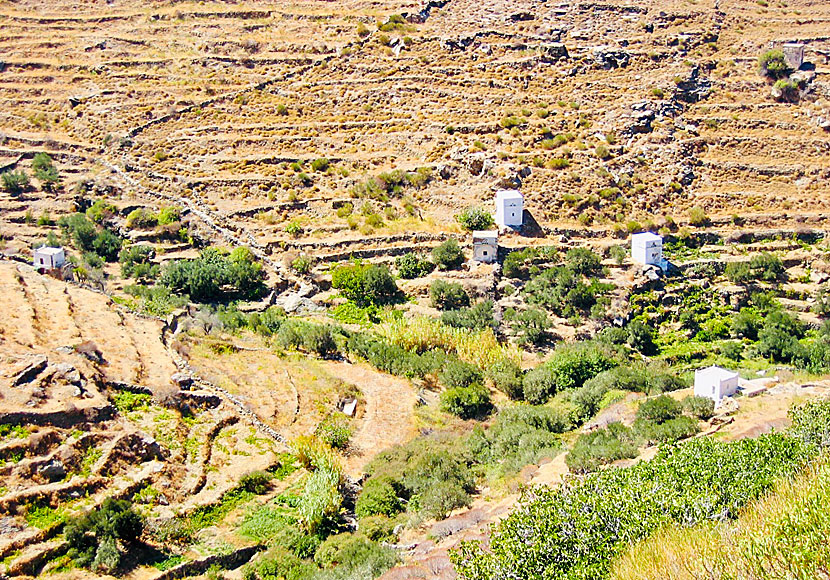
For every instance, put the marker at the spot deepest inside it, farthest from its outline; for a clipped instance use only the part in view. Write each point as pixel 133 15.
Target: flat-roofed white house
pixel 647 248
pixel 509 208
pixel 47 258
pixel 485 246
pixel 793 54
pixel 715 383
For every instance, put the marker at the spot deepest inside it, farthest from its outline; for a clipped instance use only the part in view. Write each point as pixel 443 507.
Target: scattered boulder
pixel 30 370
pixel 53 471
pixel 609 58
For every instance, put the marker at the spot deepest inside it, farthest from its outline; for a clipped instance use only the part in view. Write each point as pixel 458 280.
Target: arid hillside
pixel 609 113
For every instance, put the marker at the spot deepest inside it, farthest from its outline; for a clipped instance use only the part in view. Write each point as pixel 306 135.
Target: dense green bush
pixel 764 266
pixel 335 430
pixel 98 539
pixel 365 284
pixel 216 276
pixel 475 218
pixel 142 218
pixel 506 376
pixel 641 338
pixel 378 497
pixel 448 255
pixel 575 531
pixel 773 64
pixel 45 172
pixel 568 368
pixel 530 326
pixel 448 295
pixel 788 91
pixel 395 359
pixel 107 245
pixel 584 262
pixel 563 290
pixel 601 446
pixel 476 317
pixel 457 373
pixel 700 407
pixel 471 402
pixel 659 409
pixel 15 182
pixel 255 482
pixel 668 431
pixel 520 435
pixel 412 265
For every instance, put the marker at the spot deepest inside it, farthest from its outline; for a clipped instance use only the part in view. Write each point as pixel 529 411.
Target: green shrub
pixel 448 255
pixel 320 164
pixel 471 402
pixel 365 284
pixel 448 295
pixel 378 528
pixel 142 218
pixel 216 276
pixel 378 497
pixel 700 407
pixel 602 446
pixel 506 376
pixel 457 373
pixel 531 325
pixel 773 64
pixel 788 91
pixel 45 172
pixel 101 210
pixel 411 265
pixel 641 338
pixel 475 218
pixel 15 182
pixel 335 430
pixel 95 538
pixel 698 217
pixel 668 431
pixel 477 317
pixel 659 409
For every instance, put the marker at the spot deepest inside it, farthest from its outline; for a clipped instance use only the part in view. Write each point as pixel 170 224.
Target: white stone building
pixel 509 208
pixel 485 246
pixel 47 258
pixel 715 383
pixel 647 248
pixel 794 54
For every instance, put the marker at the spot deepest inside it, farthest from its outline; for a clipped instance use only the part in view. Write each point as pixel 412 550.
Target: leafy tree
pixel 216 276
pixel 107 245
pixel 773 64
pixel 448 295
pixel 584 262
pixel 15 182
pixel 411 265
pixel 81 231
pixel 641 338
pixel 365 284
pixel 448 255
pixel 45 171
pixel 475 218
pixel 746 323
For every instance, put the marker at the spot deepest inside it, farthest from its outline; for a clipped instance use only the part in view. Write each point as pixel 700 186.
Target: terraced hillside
pixel 606 112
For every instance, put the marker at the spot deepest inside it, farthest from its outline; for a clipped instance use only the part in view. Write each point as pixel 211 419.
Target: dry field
pixel 210 105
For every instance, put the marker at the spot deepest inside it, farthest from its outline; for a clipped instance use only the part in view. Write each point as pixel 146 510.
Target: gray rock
pixel 30 371
pixel 53 471
pixel 609 58
pixel 182 380
pixel 553 52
